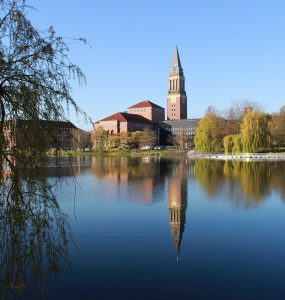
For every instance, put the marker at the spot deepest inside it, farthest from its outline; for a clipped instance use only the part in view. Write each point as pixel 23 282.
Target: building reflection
pixel 177 204
pixel 133 180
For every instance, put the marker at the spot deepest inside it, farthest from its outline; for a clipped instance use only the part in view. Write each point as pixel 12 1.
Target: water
pixel 151 228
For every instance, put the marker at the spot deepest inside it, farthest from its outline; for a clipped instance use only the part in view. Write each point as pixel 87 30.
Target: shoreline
pixel 239 156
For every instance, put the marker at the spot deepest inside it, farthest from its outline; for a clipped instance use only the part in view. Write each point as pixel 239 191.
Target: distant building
pixel 177 98
pixel 124 122
pixel 149 110
pixel 26 133
pixel 147 114
pixel 169 128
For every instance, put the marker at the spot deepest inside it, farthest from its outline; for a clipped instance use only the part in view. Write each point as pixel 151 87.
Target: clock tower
pixel 176 98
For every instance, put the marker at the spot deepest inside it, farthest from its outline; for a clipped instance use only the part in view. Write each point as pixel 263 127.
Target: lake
pixel 156 228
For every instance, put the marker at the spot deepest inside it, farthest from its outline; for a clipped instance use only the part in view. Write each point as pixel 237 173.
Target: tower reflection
pixel 177 204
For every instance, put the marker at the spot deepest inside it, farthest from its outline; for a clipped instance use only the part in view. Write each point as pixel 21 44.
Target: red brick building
pixel 123 122
pixel 144 114
pixel 30 134
pixel 149 110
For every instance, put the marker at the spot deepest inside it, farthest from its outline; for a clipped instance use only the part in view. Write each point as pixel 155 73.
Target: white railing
pixel 241 156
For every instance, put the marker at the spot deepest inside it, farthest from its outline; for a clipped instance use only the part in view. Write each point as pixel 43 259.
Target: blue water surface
pixel 226 239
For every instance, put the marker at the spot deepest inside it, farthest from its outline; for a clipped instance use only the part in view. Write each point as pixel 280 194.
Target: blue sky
pixel 231 50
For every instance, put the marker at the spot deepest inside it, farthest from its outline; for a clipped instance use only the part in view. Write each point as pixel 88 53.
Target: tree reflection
pixel 210 175
pixel 254 178
pixel 34 232
pixel 247 183
pixel 277 178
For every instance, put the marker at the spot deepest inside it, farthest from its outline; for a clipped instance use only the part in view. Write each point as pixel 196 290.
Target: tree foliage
pixel 278 127
pixel 35 73
pixel 123 140
pixel 80 139
pixel 148 138
pixel 99 138
pixel 237 143
pixel 255 131
pixel 209 133
pixel 228 143
pixel 180 139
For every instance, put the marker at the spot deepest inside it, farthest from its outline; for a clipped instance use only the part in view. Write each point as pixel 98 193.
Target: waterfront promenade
pixel 238 156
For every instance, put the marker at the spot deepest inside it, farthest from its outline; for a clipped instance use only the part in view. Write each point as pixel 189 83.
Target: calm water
pixel 150 228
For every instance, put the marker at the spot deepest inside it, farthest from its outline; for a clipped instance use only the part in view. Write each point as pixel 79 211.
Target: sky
pixel 230 50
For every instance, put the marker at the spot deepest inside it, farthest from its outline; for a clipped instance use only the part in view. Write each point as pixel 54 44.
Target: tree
pixel 278 127
pixel 234 115
pixel 81 139
pixel 228 143
pixel 134 139
pixel 113 140
pixel 237 143
pixel 180 139
pixel 99 138
pixel 148 138
pixel 35 72
pixel 209 133
pixel 255 131
pixel 124 140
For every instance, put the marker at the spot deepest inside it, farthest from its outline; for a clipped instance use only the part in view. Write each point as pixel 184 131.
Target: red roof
pixel 125 117
pixel 145 103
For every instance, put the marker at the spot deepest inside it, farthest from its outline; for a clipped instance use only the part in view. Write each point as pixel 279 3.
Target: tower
pixel 177 98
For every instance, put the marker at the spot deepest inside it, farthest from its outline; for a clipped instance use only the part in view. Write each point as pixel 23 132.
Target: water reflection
pixel 141 177
pixel 34 232
pixel 247 184
pixel 244 184
pixel 177 203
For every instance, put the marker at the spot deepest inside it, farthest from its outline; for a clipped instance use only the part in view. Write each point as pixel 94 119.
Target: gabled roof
pixel 125 117
pixel 145 103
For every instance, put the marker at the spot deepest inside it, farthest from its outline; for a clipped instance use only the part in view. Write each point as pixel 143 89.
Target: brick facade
pixel 22 133
pixel 149 110
pixel 124 122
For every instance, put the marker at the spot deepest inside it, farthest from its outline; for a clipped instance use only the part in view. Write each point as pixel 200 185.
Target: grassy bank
pixel 130 153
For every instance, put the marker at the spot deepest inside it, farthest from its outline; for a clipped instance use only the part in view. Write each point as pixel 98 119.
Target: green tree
pixel 35 73
pixel 124 140
pixel 148 138
pixel 209 133
pixel 237 144
pixel 234 115
pixel 134 140
pixel 99 138
pixel 228 143
pixel 255 131
pixel 113 140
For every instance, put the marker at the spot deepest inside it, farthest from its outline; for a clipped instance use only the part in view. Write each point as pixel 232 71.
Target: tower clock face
pixel 173 100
